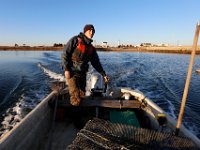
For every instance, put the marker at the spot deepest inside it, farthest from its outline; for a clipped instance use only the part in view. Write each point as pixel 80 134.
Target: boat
pixel 121 118
pixel 198 71
pixel 118 118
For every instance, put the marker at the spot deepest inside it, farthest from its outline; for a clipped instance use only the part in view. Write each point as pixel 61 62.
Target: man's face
pixel 90 33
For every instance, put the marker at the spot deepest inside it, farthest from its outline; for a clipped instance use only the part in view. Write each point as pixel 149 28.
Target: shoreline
pixel 168 49
pixel 29 48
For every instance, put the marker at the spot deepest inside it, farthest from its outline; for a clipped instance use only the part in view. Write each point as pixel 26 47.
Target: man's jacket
pixel 78 52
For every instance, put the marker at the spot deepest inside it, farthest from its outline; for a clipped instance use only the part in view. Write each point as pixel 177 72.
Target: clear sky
pixel 45 22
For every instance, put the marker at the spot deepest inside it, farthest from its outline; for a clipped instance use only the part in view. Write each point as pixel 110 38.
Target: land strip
pixel 167 49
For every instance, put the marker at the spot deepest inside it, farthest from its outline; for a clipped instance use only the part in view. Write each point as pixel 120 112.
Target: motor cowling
pixel 97 84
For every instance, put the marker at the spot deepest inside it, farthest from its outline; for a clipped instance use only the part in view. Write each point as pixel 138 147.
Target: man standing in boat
pixel 75 57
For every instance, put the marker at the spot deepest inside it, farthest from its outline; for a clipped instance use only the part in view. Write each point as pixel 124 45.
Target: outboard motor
pixel 98 86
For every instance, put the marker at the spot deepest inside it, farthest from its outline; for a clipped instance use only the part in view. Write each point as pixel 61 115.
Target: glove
pixel 106 79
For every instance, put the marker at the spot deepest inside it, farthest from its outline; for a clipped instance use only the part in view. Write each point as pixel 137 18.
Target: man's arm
pixel 66 55
pixel 97 65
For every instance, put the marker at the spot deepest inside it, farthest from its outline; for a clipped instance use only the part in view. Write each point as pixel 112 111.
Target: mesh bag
pixel 100 134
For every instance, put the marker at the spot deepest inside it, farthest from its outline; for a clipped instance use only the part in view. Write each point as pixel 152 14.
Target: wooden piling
pixel 188 79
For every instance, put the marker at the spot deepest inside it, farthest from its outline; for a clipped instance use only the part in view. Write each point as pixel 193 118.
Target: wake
pixel 15 86
pixel 51 74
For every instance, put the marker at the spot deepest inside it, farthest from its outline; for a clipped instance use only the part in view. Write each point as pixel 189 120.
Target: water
pixel 25 80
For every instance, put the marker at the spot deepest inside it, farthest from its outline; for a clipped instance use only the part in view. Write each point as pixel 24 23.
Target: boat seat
pixel 99 102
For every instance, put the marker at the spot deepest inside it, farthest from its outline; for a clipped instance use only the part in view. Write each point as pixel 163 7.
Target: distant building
pixel 153 45
pixel 105 44
pixel 161 45
pixel 146 44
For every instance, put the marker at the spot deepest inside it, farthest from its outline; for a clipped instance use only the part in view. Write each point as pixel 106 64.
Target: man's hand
pixel 67 75
pixel 106 79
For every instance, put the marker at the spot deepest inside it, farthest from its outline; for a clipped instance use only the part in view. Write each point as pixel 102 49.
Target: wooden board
pixel 109 103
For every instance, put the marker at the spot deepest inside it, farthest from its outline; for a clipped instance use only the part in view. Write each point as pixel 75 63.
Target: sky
pixel 45 22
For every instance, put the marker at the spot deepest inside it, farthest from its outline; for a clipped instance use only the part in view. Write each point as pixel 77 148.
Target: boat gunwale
pixel 156 110
pixel 12 138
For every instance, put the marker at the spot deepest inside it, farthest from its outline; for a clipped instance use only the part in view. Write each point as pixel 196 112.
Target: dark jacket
pixel 78 52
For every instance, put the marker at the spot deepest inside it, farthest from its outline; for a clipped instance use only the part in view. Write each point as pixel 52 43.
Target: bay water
pixel 25 78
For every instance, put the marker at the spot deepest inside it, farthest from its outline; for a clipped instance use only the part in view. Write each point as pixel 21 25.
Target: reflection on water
pixel 161 77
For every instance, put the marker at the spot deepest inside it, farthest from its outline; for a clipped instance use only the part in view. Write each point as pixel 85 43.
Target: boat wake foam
pixel 21 108
pixel 51 74
pixel 12 90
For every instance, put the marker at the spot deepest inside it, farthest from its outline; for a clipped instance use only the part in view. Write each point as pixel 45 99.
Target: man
pixel 76 55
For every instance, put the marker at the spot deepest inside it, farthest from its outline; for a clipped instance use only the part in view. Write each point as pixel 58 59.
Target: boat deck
pixel 69 121
pixel 59 137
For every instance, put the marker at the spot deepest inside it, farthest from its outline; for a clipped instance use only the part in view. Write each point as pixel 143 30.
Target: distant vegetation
pixel 58 45
pixel 146 47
